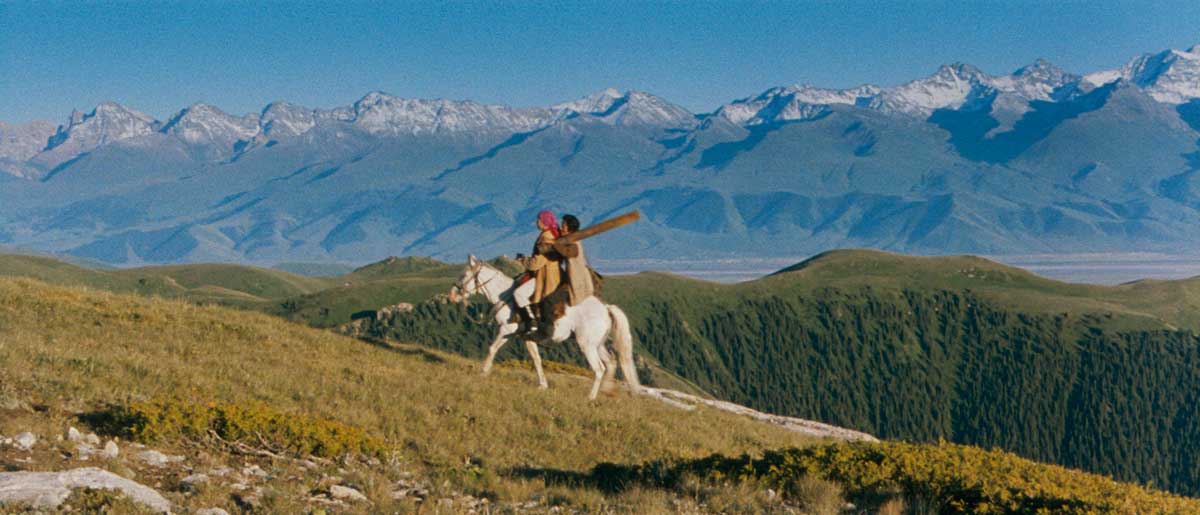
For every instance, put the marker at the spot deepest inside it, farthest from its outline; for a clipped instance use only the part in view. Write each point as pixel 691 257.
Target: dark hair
pixel 571 222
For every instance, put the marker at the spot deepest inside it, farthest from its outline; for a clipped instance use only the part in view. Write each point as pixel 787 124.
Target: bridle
pixel 479 284
pixel 461 285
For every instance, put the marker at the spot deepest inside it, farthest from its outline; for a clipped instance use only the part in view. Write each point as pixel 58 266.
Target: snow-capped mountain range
pixel 929 166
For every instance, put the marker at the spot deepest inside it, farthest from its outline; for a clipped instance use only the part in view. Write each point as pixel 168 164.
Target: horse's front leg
pixel 497 344
pixel 532 347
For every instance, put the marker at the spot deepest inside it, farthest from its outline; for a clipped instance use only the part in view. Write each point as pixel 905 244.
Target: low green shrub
pixel 100 502
pixel 946 478
pixel 254 424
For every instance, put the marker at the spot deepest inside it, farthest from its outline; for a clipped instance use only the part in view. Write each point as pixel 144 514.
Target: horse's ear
pixel 471 260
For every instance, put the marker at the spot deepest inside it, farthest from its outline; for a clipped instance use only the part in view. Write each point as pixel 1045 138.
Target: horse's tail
pixel 623 342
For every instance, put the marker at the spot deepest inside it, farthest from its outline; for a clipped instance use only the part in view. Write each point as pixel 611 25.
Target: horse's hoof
pixel 543 387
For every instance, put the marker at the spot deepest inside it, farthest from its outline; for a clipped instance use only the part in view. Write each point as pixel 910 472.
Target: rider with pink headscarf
pixel 543 265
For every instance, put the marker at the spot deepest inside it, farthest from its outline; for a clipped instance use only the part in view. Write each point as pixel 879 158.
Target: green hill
pixel 955 348
pixel 242 285
pixel 1146 303
pixel 310 409
pixel 318 301
pixel 916 348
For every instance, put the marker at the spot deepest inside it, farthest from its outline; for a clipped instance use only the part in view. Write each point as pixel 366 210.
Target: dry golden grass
pixel 78 349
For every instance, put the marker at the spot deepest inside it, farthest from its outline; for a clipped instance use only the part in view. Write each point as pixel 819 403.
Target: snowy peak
pixel 799 102
pixel 204 125
pixel 853 96
pixel 1038 81
pixel 950 87
pixel 595 103
pixel 1171 76
pixel 638 109
pixel 109 122
pixel 379 113
pixel 282 119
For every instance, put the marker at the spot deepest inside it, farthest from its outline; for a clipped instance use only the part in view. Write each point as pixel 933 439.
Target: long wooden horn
pixel 607 225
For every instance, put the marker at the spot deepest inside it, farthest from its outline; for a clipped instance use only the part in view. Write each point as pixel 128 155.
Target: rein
pixel 479 289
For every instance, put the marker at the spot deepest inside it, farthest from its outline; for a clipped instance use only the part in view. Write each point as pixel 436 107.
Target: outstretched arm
pixel 567 250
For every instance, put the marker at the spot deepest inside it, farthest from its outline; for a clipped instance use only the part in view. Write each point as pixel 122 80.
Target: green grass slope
pixel 79 350
pixel 85 347
pixel 1146 303
pixel 171 369
pixel 234 284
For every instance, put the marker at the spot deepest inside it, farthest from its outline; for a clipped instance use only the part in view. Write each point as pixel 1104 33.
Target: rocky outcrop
pixel 48 490
pixel 809 427
pixel 361 325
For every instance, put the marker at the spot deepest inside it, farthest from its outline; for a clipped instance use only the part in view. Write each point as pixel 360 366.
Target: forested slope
pixel 1092 384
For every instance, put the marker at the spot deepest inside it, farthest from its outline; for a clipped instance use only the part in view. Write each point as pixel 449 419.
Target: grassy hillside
pixel 317 301
pixel 168 370
pixel 961 348
pixel 231 284
pixel 77 351
pixel 329 301
pixel 1146 303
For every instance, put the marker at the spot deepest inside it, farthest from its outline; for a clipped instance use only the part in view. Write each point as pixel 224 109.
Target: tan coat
pixel 579 276
pixel 545 266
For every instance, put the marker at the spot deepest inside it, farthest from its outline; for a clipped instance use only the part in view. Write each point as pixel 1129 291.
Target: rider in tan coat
pixel 579 274
pixel 544 263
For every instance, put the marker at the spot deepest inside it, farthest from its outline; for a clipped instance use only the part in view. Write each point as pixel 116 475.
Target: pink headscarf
pixel 548 220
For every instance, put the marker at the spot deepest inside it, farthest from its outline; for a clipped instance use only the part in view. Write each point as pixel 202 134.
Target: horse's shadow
pixel 610 478
pixel 406 350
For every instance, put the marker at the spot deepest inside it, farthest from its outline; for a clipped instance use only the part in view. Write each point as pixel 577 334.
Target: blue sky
pixel 159 57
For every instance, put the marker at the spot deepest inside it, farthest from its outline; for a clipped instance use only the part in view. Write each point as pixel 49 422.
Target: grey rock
pixel 73 435
pixel 254 471
pixel 248 499
pixel 48 490
pixel 92 439
pixel 192 482
pixel 25 441
pixel 157 459
pixel 195 478
pixel 211 511
pixel 346 493
pixel 111 451
pixel 84 451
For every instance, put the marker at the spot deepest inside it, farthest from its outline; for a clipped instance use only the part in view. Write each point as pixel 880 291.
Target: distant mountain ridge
pixel 1040 160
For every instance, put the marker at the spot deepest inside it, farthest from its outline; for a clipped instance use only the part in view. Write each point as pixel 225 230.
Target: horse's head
pixel 469 283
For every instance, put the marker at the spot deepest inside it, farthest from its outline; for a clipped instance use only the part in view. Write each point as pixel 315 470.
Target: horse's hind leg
pixel 532 347
pixel 594 359
pixel 610 370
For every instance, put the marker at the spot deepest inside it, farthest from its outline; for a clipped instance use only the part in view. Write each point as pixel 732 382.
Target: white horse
pixel 591 321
